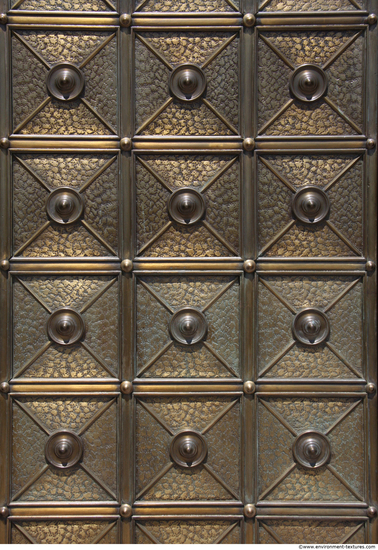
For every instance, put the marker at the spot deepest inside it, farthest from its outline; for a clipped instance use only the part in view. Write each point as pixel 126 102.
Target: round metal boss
pixel 310 204
pixel 65 81
pixel 65 326
pixel 188 326
pixel 187 82
pixel 311 326
pixel 308 82
pixel 188 448
pixel 312 449
pixel 64 449
pixel 186 206
pixel 64 205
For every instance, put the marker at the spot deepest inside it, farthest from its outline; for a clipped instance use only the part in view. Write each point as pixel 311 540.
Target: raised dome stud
pixel 64 449
pixel 65 81
pixel 250 511
pixel 310 204
pixel 64 205
pixel 311 326
pixel 188 326
pixel 308 82
pixel 249 20
pixel 188 448
pixel 187 82
pixel 186 206
pixel 311 449
pixel 65 326
pixel 125 510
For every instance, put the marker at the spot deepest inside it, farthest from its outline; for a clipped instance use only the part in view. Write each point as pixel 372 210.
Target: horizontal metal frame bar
pixel 63 393
pixel 303 19
pixel 323 509
pixel 306 504
pixel 188 517
pixel 313 517
pixel 74 386
pixel 312 24
pixel 37 21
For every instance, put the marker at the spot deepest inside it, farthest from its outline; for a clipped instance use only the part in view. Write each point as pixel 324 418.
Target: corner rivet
pixel 370 266
pixel 370 388
pixel 372 19
pixel 4 387
pixel 125 510
pixel 372 512
pixel 248 144
pixel 4 512
pixel 250 511
pixel 3 18
pixel 4 143
pixel 126 387
pixel 5 265
pixel 126 266
pixel 249 266
pixel 126 144
pixel 125 20
pixel 249 20
pixel 370 143
pixel 249 387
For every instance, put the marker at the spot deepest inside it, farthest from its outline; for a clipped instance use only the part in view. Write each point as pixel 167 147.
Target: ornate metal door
pixel 188 285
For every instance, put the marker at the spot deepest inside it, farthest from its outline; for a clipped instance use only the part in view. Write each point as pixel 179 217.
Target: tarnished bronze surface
pixel 188 271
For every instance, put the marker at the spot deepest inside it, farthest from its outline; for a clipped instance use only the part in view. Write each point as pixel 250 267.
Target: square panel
pixel 188 205
pixel 310 205
pixel 311 531
pixel 64 82
pixel 311 83
pixel 65 326
pixel 65 205
pixel 56 531
pixel 181 327
pixel 188 531
pixel 310 327
pixel 64 448
pixel 311 449
pixel 187 83
pixel 188 448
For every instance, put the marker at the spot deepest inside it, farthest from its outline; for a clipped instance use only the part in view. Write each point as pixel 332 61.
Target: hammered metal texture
pixel 188 532
pixel 281 356
pixel 345 83
pixel 35 177
pixel 35 356
pixel 178 117
pixel 94 478
pixel 221 198
pixel 187 5
pixel 65 532
pixel 310 5
pixel 159 419
pixel 96 114
pixel 340 419
pixel 311 532
pixel 159 356
pixel 65 5
pixel 344 191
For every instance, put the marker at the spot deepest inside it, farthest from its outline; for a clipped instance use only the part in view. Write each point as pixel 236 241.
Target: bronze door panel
pixel 188 271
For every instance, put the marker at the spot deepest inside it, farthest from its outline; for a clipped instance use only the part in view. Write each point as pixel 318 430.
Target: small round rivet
pixel 372 512
pixel 188 448
pixel 249 266
pixel 126 266
pixel 126 144
pixel 64 449
pixel 250 511
pixel 249 144
pixel 125 510
pixel 370 266
pixel 188 326
pixel 186 206
pixel 65 326
pixel 4 387
pixel 249 20
pixel 4 512
pixel 308 82
pixel 187 82
pixel 3 18
pixel 370 143
pixel 5 265
pixel 372 19
pixel 4 143
pixel 311 326
pixel 65 81
pixel 311 449
pixel 125 20
pixel 126 387
pixel 370 388
pixel 249 387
